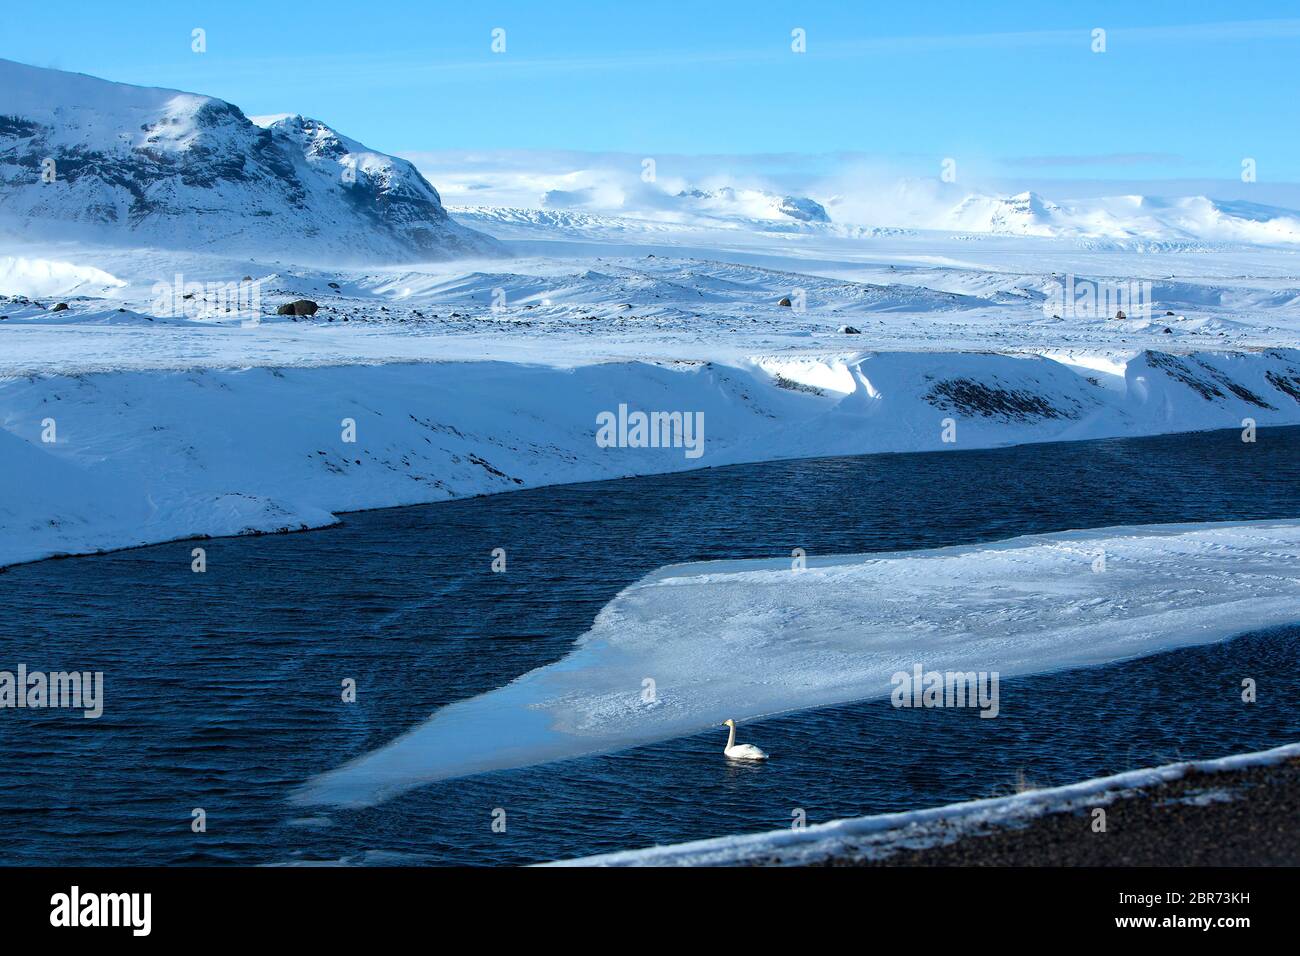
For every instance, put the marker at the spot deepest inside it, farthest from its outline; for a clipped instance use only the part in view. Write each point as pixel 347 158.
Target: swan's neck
pixel 731 737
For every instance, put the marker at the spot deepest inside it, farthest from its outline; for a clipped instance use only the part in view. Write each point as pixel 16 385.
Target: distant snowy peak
pixel 727 203
pixel 84 157
pixel 803 208
pixel 724 207
pixel 1025 214
pixel 1235 221
pixel 753 204
pixel 1191 218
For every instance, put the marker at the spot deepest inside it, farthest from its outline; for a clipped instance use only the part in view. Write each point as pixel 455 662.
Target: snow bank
pixel 747 639
pixel 142 457
pixel 149 456
pixel 875 836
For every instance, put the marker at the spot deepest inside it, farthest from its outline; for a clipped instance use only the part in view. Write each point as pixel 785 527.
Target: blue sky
pixel 1184 90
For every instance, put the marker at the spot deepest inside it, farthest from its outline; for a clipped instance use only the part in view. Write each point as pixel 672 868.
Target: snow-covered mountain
pixel 1025 214
pixel 752 204
pixel 1190 218
pixel 689 205
pixel 87 158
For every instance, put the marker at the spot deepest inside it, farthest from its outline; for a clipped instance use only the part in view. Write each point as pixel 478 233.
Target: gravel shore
pixel 1244 817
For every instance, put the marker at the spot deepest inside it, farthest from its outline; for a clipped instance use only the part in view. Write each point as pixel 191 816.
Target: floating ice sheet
pixel 751 638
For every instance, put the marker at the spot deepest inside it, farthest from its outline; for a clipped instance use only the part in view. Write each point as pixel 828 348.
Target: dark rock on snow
pixel 299 307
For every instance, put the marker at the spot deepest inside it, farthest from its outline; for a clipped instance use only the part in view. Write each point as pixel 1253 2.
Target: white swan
pixel 740 751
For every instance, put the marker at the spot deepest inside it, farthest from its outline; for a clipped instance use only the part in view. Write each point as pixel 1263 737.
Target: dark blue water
pixel 223 689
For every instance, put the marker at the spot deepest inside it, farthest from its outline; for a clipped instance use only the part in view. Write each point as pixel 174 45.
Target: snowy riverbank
pixel 105 460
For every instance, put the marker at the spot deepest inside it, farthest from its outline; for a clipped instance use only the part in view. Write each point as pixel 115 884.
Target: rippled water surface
pixel 223 688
